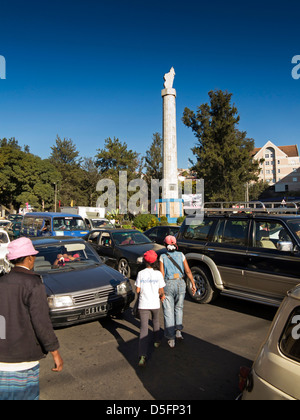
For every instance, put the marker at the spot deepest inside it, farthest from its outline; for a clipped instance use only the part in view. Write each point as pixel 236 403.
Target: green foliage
pixel 66 160
pixel 223 152
pixel 154 159
pixel 25 177
pixel 164 221
pixel 115 157
pixel 180 220
pixel 145 221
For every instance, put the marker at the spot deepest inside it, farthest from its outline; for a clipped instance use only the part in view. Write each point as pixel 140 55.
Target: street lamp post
pixel 55 195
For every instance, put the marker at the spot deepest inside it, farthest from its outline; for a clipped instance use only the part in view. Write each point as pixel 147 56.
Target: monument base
pixel 172 208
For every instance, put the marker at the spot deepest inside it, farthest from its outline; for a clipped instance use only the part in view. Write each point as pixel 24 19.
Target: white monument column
pixel 170 172
pixel 171 205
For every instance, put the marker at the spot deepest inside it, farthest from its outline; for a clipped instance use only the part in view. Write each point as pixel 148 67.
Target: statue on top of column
pixel 169 79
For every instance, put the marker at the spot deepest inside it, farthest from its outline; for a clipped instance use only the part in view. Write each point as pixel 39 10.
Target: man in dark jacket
pixel 29 334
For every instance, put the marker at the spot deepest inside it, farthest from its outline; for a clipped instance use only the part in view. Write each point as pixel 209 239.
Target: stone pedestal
pixel 171 208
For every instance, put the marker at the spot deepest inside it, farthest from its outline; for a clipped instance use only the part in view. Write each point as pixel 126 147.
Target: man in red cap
pixel 29 331
pixel 150 289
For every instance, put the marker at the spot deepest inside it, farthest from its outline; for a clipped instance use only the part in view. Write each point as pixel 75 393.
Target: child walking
pixel 150 289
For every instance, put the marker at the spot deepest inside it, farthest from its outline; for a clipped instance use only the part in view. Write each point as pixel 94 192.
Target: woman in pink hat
pixel 29 332
pixel 150 289
pixel 174 267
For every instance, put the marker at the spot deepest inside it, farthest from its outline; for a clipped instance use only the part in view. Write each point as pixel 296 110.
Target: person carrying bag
pixel 174 267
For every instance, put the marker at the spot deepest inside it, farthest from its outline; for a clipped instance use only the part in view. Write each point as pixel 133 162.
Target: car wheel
pixel 206 292
pixel 124 268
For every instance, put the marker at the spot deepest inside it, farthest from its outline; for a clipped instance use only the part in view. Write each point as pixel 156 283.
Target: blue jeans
pixel 173 307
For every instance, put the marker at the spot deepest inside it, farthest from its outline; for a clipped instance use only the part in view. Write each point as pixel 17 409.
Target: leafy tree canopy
pixel 223 153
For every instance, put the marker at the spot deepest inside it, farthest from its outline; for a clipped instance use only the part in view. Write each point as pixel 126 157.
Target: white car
pixel 4 241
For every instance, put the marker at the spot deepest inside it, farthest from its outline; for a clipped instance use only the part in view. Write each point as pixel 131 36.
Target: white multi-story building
pixel 280 166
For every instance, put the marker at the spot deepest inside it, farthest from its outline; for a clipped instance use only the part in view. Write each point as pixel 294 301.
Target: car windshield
pixel 67 223
pixel 295 226
pixel 68 256
pixel 130 238
pixel 101 223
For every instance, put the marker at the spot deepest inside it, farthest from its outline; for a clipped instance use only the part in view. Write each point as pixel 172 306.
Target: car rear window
pixel 290 339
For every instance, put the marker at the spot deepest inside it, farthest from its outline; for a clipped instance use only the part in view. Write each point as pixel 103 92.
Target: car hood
pixel 63 282
pixel 139 249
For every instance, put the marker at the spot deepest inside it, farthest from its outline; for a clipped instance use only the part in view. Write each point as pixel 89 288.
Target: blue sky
pixel 93 69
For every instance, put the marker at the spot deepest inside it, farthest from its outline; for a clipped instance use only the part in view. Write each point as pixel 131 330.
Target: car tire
pixel 206 291
pixel 124 268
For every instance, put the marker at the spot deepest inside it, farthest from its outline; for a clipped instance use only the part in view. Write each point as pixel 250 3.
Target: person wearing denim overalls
pixel 175 289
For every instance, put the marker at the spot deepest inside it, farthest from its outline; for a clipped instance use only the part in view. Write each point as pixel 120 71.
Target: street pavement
pixel 100 358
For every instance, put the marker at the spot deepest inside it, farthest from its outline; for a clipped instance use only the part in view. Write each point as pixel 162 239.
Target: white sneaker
pixel 171 343
pixel 179 335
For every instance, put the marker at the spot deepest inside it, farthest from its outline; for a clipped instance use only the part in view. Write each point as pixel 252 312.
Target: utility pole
pixel 55 195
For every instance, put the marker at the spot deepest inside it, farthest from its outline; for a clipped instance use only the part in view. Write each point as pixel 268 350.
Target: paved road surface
pixel 101 357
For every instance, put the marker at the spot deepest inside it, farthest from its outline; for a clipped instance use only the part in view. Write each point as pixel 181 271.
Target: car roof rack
pixel 250 207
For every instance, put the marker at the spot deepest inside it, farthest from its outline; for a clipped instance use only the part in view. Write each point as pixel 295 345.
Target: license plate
pixel 96 309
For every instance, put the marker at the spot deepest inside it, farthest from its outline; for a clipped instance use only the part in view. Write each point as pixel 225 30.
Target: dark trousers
pixel 144 317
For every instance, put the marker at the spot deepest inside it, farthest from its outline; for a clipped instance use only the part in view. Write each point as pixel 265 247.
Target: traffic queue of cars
pixel 85 273
pixel 253 255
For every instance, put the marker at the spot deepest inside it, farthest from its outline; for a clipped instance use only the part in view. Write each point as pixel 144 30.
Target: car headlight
pixel 123 287
pixel 59 301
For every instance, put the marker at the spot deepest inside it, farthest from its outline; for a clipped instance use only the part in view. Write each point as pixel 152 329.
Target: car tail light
pixel 245 379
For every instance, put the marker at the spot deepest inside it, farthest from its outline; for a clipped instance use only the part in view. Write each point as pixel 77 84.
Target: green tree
pixel 24 177
pixel 65 158
pixel 89 182
pixel 154 159
pixel 64 152
pixel 223 152
pixel 114 158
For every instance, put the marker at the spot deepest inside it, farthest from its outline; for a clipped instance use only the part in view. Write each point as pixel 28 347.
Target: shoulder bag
pixel 176 265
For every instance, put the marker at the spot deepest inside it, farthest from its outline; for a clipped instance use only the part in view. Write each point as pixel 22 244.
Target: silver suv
pixel 275 374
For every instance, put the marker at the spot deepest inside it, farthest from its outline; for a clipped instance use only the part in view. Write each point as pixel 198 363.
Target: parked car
pixel 275 374
pixel 158 233
pixel 4 241
pixel 53 224
pixel 14 229
pixel 4 223
pixel 249 256
pixel 123 248
pixel 15 217
pixel 96 223
pixel 79 286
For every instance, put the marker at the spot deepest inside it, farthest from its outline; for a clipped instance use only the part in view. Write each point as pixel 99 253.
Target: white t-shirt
pixel 149 281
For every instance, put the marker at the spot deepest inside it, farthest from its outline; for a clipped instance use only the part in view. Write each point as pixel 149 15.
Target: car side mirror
pixel 285 246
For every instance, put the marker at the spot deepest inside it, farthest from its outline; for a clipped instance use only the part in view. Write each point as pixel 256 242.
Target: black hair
pixel 18 260
pixel 154 265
